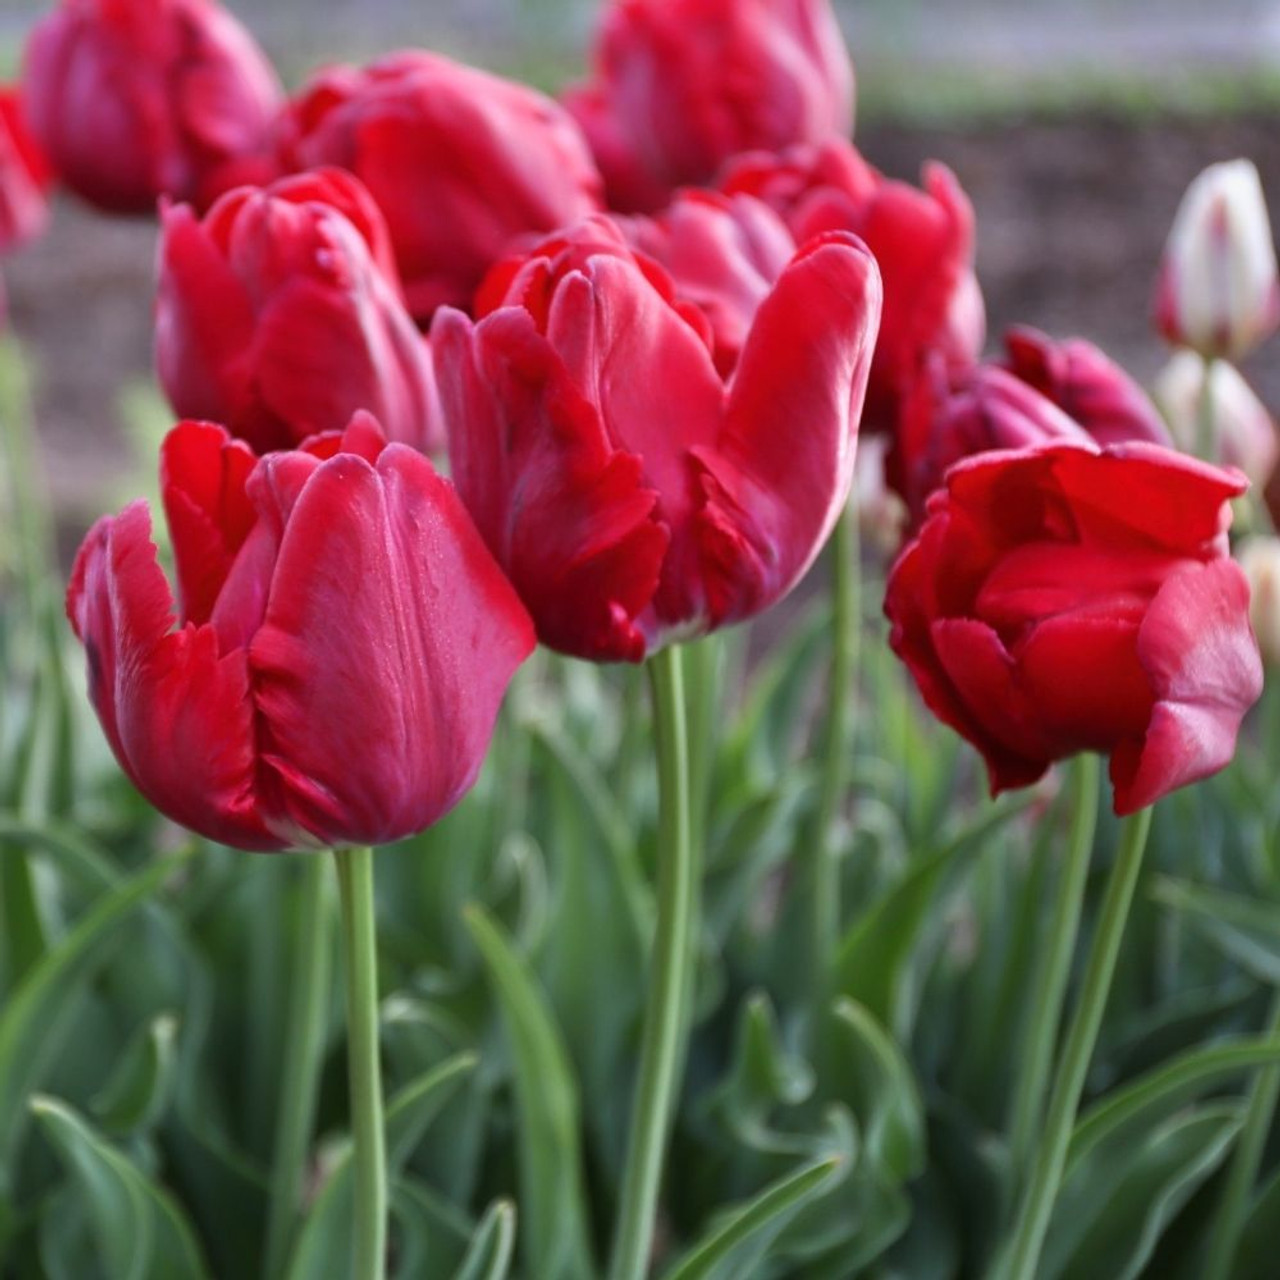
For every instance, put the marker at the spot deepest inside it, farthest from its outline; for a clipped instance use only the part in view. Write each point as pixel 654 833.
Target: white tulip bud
pixel 1260 559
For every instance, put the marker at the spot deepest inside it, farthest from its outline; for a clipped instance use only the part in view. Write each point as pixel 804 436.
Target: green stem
pixel 1050 991
pixel 821 878
pixel 1233 1209
pixel 1051 1153
pixel 359 949
pixel 1206 419
pixel 309 975
pixel 666 1013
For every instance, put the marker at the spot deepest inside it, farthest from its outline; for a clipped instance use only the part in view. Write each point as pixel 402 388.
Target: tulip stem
pixel 822 876
pixel 667 1010
pixel 1050 989
pixel 308 991
pixel 1206 419
pixel 1032 1225
pixel 1233 1209
pixel 359 949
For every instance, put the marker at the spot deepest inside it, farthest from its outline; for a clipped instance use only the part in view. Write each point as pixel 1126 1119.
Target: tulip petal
pixel 780 473
pixel 389 639
pixel 177 715
pixel 1202 660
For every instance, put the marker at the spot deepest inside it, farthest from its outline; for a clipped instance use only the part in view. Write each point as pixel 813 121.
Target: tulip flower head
pixel 344 641
pixel 945 419
pixel 1067 598
pixel 1218 291
pixel 1260 560
pixel 1243 431
pixel 1086 385
pixel 279 315
pixel 459 161
pixel 24 177
pixel 135 99
pixel 681 86
pixel 923 242
pixel 631 495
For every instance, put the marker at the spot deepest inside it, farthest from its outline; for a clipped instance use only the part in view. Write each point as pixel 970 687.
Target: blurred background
pixel 1074 128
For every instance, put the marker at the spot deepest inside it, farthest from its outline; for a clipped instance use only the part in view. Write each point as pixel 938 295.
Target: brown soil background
pixel 1071 219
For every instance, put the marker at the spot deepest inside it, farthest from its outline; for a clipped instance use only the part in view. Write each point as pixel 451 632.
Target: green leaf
pixel 1117 1202
pixel 555 1240
pixel 489 1253
pixel 876 958
pixel 326 1231
pixel 1246 929
pixel 137 1093
pixel 33 1022
pixel 141 1231
pixel 768 1211
pixel 1256 1255
pixel 1151 1097
pixel 878 1082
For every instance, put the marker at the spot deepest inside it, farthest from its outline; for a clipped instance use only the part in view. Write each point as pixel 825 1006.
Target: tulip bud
pixel 1243 429
pixel 1217 291
pixel 882 515
pixel 1260 559
pixel 680 86
pixel 134 99
pixel 280 316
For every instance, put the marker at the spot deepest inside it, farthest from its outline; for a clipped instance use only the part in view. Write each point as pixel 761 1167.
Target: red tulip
pixel 280 315
pixel 134 99
pixel 723 253
pixel 24 176
pixel 945 420
pixel 923 241
pixel 344 641
pixel 681 86
pixel 630 494
pixel 459 161
pixel 1087 385
pixel 1065 598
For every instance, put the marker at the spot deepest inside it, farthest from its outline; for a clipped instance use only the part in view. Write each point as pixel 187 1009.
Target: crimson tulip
pixel 1086 384
pixel 134 99
pixel 723 254
pixel 680 86
pixel 923 241
pixel 1067 598
pixel 24 177
pixel 460 162
pixel 631 495
pixel 945 419
pixel 343 643
pixel 280 315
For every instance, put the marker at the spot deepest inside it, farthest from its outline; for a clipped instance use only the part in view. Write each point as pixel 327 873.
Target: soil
pixel 1071 219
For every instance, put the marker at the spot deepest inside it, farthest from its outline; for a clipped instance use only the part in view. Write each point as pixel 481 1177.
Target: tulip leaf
pixel 140 1229
pixel 1117 1201
pixel 137 1093
pixel 769 1210
pixel 1256 1255
pixel 555 1239
pixel 430 1232
pixel 1246 929
pixel 34 1021
pixel 488 1255
pixel 881 1090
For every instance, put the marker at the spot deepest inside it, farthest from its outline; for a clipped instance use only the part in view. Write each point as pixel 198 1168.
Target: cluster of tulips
pixel 644 323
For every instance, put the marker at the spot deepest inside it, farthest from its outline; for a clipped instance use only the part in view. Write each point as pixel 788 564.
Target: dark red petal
pixel 1200 655
pixel 390 638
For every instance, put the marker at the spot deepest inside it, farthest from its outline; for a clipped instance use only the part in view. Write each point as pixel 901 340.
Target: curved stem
pixel 667 1012
pixel 303 1057
pixel 359 949
pixel 1036 1208
pixel 1233 1209
pixel 820 880
pixel 1046 1014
